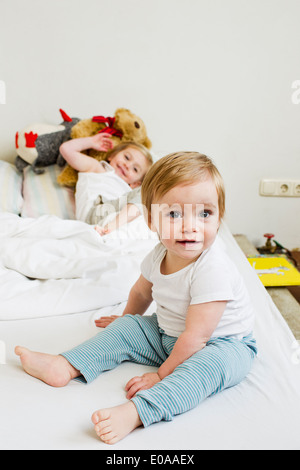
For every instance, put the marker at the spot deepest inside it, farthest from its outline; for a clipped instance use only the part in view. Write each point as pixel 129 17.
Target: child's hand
pixel 102 230
pixel 144 382
pixel 103 322
pixel 102 142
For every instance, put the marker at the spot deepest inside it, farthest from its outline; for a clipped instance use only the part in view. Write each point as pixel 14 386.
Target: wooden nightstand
pixel 281 296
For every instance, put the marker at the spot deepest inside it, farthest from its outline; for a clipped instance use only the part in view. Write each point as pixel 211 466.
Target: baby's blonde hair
pixel 180 168
pixel 124 145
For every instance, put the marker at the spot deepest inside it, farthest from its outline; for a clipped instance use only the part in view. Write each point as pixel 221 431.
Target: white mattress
pixel 260 413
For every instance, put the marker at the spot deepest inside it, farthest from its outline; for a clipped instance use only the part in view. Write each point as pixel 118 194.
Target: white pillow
pixel 11 199
pixel 44 196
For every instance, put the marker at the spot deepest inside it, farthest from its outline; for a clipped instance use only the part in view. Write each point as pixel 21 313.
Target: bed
pixel 57 277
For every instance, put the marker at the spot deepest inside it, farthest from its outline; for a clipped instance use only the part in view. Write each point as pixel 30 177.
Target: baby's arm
pixel 140 298
pixel 71 151
pixel 126 215
pixel 201 321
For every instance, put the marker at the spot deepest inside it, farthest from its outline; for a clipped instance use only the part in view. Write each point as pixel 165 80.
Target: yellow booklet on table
pixel 275 271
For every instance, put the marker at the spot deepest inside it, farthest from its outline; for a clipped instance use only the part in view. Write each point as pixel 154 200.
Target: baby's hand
pixel 103 322
pixel 101 230
pixel 144 382
pixel 102 142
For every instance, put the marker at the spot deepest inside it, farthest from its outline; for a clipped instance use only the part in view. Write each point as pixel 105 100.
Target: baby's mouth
pixel 189 242
pixel 191 245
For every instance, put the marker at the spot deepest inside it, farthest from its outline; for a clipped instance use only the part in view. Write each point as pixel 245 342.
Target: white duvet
pixel 50 266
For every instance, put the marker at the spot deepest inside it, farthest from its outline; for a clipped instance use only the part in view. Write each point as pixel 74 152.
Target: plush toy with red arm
pixel 38 144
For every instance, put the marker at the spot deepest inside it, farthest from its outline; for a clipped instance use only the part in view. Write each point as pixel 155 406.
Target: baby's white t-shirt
pixel 115 193
pixel 213 277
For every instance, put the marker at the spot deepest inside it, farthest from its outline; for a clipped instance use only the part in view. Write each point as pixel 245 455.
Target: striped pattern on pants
pixel 223 363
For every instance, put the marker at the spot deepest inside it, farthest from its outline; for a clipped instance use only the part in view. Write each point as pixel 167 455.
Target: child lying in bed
pixel 107 187
pixel 200 338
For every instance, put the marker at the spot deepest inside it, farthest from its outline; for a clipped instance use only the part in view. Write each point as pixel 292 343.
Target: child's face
pixel 186 219
pixel 131 165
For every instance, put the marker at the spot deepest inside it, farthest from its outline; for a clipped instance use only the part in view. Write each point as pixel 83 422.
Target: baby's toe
pixel 108 437
pixel 100 415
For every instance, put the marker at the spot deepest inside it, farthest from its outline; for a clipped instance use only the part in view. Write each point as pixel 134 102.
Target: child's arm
pixel 71 151
pixel 140 298
pixel 126 215
pixel 201 321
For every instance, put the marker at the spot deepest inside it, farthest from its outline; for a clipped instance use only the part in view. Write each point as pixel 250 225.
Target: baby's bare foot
pixel 53 370
pixel 113 424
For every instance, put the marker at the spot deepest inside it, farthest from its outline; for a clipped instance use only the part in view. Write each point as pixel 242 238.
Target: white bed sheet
pixel 260 413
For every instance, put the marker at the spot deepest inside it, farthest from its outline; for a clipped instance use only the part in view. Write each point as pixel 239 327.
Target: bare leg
pixel 53 370
pixel 113 424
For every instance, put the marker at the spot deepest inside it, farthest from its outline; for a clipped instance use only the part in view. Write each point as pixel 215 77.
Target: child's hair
pixel 124 145
pixel 180 168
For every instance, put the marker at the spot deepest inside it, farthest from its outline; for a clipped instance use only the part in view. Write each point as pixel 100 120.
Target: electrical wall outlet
pixel 279 187
pixel 296 189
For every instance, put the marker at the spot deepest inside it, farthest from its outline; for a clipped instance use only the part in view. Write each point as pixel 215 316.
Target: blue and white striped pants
pixel 223 363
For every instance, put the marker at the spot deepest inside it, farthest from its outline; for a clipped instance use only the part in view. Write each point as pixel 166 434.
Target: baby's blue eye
pixel 205 214
pixel 175 214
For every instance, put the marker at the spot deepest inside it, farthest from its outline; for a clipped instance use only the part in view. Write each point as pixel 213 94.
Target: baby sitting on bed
pixel 200 338
pixel 107 194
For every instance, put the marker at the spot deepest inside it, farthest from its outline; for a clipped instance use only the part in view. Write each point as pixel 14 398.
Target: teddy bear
pixel 38 144
pixel 125 126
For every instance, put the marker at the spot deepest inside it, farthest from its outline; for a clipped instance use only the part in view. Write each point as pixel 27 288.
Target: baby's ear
pixel 152 226
pixel 148 220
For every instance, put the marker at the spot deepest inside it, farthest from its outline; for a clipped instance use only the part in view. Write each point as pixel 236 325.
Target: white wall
pixel 207 75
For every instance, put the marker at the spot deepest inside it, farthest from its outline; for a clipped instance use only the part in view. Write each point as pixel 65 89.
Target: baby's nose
pixel 191 224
